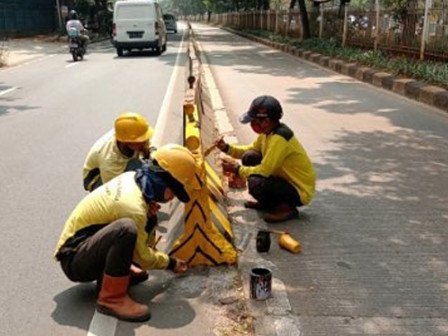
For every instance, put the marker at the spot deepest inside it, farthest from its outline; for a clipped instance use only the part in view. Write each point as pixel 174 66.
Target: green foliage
pixel 185 7
pixel 360 4
pixel 193 7
pixel 431 72
pixel 83 7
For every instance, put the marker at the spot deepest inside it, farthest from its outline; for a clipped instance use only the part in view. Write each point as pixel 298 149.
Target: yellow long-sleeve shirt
pixel 119 198
pixel 105 161
pixel 283 156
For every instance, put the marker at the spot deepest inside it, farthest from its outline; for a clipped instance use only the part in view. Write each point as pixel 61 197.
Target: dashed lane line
pixel 71 65
pixel 7 91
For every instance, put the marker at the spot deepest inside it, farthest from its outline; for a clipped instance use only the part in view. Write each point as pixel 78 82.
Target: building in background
pixel 25 17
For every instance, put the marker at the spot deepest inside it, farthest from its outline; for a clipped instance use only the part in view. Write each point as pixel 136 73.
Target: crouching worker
pixel 108 230
pixel 118 151
pixel 279 172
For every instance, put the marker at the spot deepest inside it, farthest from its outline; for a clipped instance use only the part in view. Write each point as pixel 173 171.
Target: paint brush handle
pixel 272 231
pixel 209 149
pixel 212 147
pixel 156 242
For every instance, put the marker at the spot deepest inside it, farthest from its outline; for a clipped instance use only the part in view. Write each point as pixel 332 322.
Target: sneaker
pixel 281 214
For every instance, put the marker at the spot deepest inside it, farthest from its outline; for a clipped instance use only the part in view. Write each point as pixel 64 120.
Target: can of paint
pixel 263 241
pixel 260 283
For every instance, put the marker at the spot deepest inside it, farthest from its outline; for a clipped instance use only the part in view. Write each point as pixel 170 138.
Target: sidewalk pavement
pixel 16 51
pixel 21 50
pixel 372 260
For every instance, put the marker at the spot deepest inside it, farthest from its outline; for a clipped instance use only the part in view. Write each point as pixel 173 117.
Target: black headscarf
pixel 153 180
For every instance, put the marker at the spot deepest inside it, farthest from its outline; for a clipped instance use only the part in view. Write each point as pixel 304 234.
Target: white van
pixel 138 24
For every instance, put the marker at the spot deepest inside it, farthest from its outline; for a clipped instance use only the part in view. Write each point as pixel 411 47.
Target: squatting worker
pixel 108 230
pixel 118 151
pixel 280 174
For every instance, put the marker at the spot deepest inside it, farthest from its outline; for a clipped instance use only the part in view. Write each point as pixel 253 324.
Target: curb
pixel 270 317
pixel 410 88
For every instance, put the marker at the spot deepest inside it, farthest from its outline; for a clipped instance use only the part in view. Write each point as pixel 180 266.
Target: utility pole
pixel 377 30
pixel 58 10
pixel 428 5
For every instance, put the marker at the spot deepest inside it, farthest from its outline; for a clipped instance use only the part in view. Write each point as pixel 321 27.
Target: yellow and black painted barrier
pixel 208 237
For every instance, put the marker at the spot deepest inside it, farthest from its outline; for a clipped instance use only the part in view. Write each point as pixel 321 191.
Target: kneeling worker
pixel 108 230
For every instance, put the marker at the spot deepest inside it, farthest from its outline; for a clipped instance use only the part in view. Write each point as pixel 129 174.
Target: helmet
pixel 263 107
pixel 179 162
pixel 132 127
pixel 73 15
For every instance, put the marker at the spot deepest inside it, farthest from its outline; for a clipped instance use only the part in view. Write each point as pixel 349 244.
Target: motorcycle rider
pixel 73 24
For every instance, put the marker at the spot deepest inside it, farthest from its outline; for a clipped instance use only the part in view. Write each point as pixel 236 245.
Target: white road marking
pixel 71 64
pixel 7 91
pixel 103 325
pixel 163 115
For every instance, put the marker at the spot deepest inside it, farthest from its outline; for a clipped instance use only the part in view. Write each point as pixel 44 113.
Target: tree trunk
pixel 314 24
pixel 304 17
pixel 409 20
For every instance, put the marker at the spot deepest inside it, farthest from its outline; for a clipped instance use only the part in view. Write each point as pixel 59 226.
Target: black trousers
pixel 108 251
pixel 269 191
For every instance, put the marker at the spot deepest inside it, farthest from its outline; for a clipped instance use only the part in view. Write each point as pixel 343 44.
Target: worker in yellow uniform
pixel 117 151
pixel 108 230
pixel 280 174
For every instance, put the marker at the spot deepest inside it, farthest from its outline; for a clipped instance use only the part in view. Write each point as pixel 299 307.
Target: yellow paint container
pixel 289 243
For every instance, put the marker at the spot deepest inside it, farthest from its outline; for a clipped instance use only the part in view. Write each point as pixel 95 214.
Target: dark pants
pixel 269 191
pixel 107 251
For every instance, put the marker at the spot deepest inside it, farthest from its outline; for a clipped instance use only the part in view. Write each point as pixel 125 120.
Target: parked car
pixel 138 24
pixel 170 22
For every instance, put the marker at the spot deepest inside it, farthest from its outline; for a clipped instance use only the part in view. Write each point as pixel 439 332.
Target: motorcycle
pixel 76 48
pixel 75 44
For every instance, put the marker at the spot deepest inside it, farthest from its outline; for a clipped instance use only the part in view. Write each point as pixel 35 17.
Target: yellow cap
pixel 132 127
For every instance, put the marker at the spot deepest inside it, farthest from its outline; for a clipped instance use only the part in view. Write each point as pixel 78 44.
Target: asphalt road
pixel 375 255
pixel 51 112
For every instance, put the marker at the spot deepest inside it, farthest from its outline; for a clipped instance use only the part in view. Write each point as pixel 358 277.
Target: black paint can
pixel 260 283
pixel 263 241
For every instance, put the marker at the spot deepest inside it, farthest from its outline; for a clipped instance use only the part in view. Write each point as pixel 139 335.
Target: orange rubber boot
pixel 113 300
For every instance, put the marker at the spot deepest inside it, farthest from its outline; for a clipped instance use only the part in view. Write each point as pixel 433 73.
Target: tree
pixel 304 16
pixel 404 12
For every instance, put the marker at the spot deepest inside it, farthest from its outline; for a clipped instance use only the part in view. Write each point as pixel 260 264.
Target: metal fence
pixel 397 35
pixel 23 17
